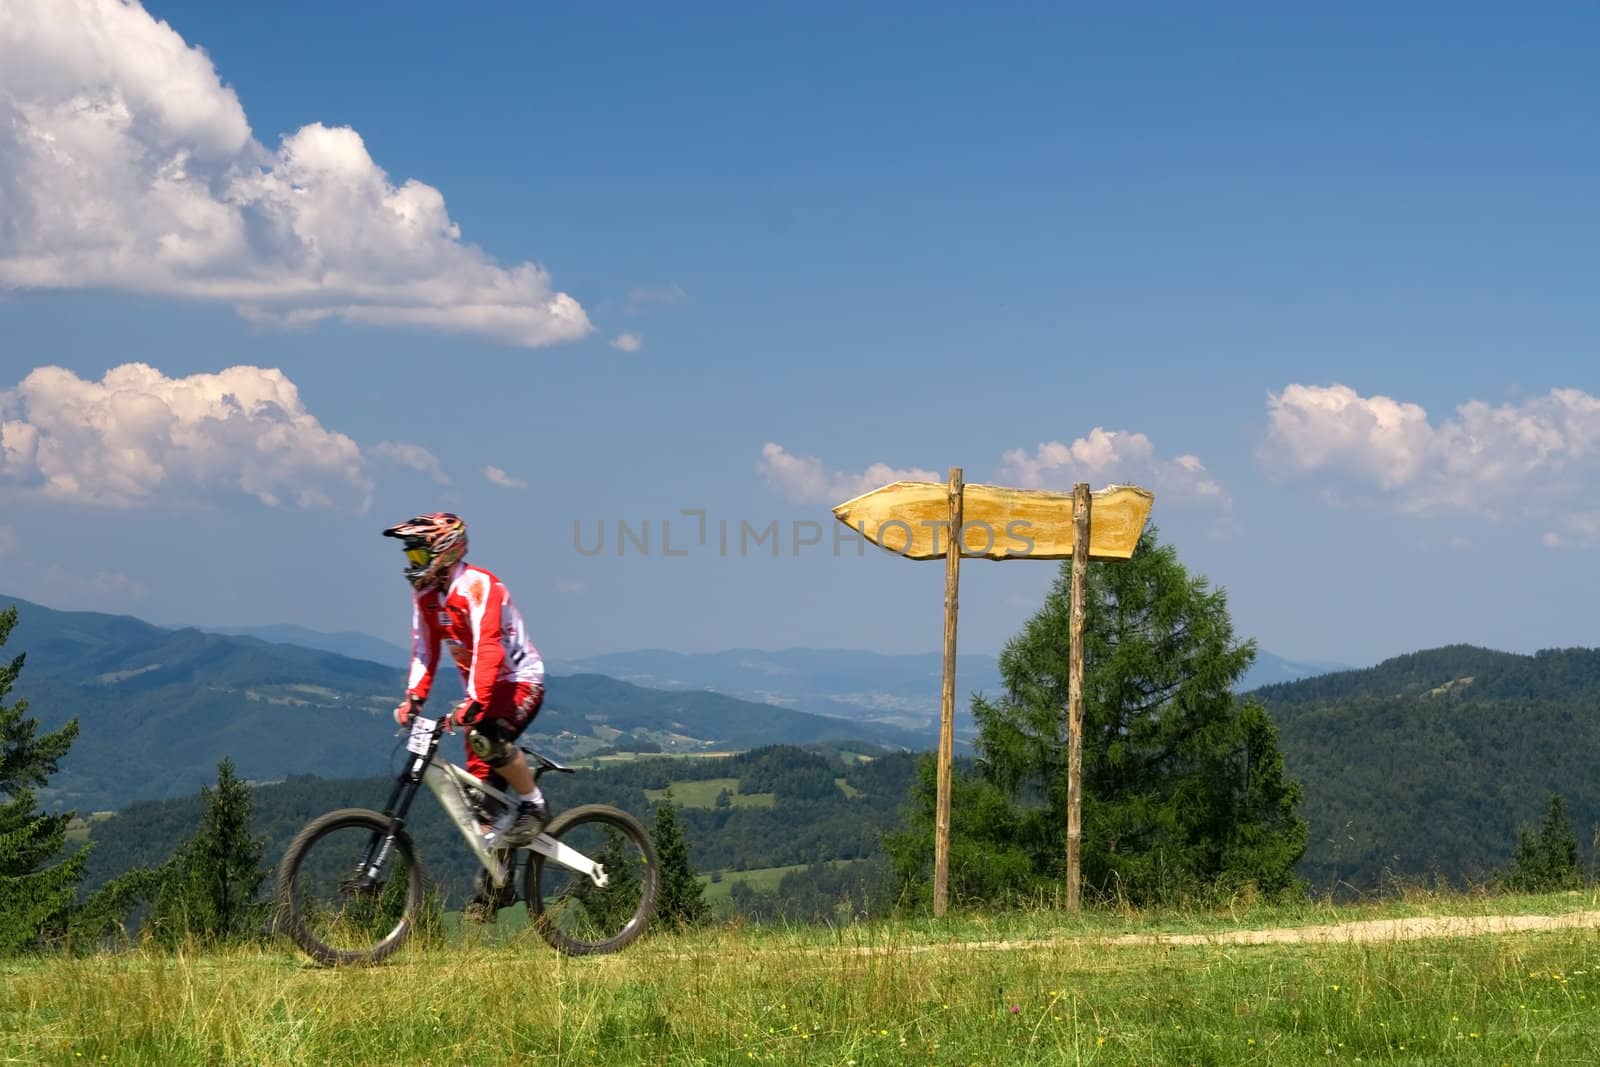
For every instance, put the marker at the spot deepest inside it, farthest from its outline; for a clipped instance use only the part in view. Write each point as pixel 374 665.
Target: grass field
pixel 870 994
pixel 763 878
pixel 596 762
pixel 78 827
pixel 703 794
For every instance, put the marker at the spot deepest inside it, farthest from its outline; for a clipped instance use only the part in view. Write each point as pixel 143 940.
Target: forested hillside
pixel 1423 765
pixel 158 708
pixel 824 806
pixel 1426 763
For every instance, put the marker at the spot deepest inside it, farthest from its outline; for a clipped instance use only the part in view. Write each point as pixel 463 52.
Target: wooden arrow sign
pixel 912 519
pixel 915 520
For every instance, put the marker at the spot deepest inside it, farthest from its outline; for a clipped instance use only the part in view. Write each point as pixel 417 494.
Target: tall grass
pixel 864 995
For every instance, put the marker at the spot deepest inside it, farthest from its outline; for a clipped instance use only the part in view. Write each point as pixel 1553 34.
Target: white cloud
pixel 1578 529
pixel 62 587
pixel 804 479
pixel 628 342
pixel 70 587
pixel 125 163
pixel 416 457
pixel 1485 460
pixel 1105 456
pixel 1333 428
pixel 502 479
pixel 644 295
pixel 114 443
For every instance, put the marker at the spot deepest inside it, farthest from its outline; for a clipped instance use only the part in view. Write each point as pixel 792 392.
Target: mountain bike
pixel 352 890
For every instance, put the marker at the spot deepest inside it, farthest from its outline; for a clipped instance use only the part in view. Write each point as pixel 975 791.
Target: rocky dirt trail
pixel 1410 929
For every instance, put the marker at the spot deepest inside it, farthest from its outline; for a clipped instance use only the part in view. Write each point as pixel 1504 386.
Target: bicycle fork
pixel 382 844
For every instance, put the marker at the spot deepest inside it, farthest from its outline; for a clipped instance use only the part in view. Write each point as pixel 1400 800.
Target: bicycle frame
pixel 449 783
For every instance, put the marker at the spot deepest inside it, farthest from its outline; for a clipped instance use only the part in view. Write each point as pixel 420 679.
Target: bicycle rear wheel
pixel 327 902
pixel 569 909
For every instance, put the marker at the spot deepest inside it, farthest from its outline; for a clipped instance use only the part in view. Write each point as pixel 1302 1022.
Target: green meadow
pixel 1038 987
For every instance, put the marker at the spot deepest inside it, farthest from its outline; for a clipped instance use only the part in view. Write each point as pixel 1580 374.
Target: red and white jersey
pixel 478 625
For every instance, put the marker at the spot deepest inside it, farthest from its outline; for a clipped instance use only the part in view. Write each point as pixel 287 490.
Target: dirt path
pixel 1440 926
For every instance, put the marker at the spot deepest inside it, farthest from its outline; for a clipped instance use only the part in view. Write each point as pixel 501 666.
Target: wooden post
pixel 914 510
pixel 1080 588
pixel 947 706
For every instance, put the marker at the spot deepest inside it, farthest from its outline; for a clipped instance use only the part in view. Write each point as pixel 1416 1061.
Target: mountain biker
pixel 468 611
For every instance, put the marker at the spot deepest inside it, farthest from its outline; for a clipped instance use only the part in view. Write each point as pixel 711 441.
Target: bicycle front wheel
pixel 341 897
pixel 598 893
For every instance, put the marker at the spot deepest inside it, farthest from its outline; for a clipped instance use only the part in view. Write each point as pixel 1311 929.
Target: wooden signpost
pixel 926 520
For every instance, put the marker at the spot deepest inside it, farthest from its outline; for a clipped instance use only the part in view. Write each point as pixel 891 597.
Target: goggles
pixel 418 557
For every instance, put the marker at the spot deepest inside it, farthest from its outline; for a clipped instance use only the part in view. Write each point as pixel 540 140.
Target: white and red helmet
pixel 434 543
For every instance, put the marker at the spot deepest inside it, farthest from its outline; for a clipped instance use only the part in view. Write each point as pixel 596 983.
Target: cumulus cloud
pixel 1578 529
pixel 804 479
pixel 114 443
pixel 1335 429
pixel 1103 456
pixel 1109 456
pixel 505 481
pixel 1486 460
pixel 628 342
pixel 413 456
pixel 126 163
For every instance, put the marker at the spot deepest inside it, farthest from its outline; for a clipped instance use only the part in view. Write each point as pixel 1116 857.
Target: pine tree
pixel 35 895
pixel 682 902
pixel 1546 860
pixel 212 881
pixel 611 907
pixel 1184 791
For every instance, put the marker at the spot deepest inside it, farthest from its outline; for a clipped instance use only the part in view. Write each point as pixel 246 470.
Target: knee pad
pixel 489 746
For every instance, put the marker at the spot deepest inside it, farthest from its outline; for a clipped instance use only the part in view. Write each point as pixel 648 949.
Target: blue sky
pixel 1325 282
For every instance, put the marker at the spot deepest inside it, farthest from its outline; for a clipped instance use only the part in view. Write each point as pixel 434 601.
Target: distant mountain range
pixel 900 691
pixel 1423 765
pixel 352 643
pixel 158 708
pixel 1273 670
pixel 1417 769
pixel 894 690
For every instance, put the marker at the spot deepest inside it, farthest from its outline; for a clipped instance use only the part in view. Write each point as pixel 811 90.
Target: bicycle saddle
pixel 545 762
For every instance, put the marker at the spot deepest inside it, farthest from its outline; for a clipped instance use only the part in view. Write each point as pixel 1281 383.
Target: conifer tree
pixel 37 886
pixel 1546 860
pixel 214 879
pixel 1184 789
pixel 611 906
pixel 682 904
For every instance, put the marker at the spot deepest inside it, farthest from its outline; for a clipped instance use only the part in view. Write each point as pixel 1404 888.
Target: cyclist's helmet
pixel 433 543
